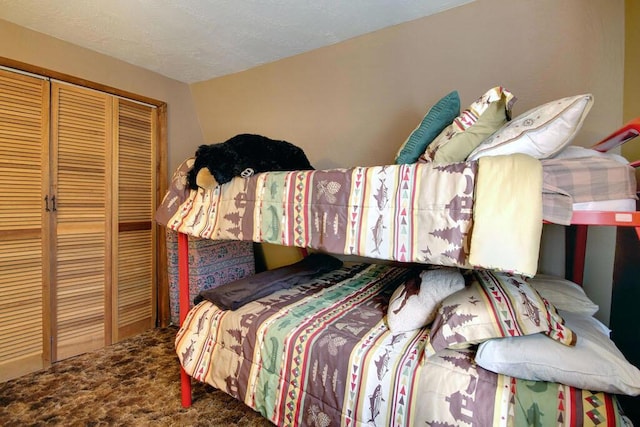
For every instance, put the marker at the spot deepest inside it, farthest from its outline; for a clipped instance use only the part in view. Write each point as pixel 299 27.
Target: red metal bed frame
pixel 576 238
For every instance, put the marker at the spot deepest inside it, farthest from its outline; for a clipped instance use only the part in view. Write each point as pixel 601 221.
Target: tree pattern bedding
pixel 434 214
pixel 320 354
pixel 484 213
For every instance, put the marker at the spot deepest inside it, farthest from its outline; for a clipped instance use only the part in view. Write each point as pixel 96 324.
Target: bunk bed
pixel 383 376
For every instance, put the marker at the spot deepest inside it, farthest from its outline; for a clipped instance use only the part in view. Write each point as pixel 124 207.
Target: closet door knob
pixel 53 202
pixel 46 204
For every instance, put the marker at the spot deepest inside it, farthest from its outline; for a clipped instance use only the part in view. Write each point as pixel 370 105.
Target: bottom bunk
pixel 336 350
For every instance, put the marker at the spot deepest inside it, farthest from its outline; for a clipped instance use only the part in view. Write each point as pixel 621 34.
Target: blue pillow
pixel 437 118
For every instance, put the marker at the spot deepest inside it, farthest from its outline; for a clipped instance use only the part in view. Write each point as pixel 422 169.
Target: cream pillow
pixel 482 118
pixel 540 132
pixel 563 294
pixel 594 363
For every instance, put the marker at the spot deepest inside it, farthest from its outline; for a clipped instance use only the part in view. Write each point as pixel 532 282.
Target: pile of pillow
pixel 485 128
pixel 540 328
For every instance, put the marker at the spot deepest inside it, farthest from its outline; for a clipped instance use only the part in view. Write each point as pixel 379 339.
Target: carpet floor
pixel 132 383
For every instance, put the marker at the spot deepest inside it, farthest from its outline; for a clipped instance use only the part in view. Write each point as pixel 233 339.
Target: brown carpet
pixel 134 383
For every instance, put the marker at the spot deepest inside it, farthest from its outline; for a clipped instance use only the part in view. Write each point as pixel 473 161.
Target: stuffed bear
pixel 243 155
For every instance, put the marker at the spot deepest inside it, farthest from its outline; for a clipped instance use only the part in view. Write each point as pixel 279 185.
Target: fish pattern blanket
pixel 322 355
pixel 421 212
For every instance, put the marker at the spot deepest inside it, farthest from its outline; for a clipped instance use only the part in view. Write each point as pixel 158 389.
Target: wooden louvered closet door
pixel 24 121
pixel 134 261
pixel 81 126
pixel 77 240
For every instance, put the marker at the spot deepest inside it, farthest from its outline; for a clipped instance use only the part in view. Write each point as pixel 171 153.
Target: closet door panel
pixel 134 262
pixel 24 137
pixel 81 135
pixel 77 238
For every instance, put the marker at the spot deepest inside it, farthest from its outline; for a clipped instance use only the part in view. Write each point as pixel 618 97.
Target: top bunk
pixel 485 211
pixel 612 213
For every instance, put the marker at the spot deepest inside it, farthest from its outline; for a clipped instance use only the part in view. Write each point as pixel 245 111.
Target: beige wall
pixel 21 44
pixel 354 103
pixel 632 74
pixel 632 60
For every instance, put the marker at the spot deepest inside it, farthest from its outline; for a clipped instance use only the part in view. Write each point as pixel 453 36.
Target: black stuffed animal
pixel 243 155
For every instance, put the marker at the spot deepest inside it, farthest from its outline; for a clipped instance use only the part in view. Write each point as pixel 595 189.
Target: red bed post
pixel 576 251
pixel 183 283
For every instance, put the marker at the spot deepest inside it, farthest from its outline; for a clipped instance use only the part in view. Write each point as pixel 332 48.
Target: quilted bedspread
pixel 421 212
pixel 322 355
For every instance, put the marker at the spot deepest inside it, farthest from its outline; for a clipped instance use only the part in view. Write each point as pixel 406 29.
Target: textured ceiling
pixel 195 40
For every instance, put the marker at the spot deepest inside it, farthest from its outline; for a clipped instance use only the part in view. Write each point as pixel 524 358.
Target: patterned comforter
pixel 321 355
pixel 424 213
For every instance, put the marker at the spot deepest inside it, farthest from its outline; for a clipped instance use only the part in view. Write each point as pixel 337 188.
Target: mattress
pixel 422 212
pixel 295 208
pixel 615 205
pixel 212 263
pixel 408 213
pixel 582 180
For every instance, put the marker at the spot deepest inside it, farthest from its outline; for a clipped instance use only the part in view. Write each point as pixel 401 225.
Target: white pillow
pixel 594 363
pixel 540 132
pixel 577 152
pixel 414 303
pixel 563 294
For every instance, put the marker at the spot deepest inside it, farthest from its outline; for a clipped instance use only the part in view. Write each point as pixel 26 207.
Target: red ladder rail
pixel 629 131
